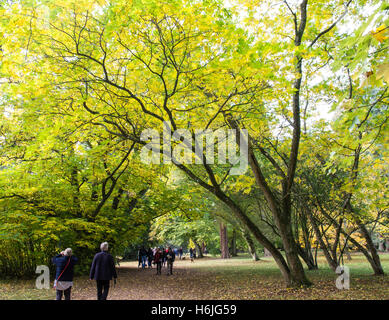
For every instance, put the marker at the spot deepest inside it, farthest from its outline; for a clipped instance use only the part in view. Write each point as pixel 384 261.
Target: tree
pixel 123 68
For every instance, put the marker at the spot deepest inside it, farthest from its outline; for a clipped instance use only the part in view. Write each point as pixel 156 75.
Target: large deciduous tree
pixel 124 67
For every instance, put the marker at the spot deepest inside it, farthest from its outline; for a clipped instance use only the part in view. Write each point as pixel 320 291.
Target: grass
pixel 212 278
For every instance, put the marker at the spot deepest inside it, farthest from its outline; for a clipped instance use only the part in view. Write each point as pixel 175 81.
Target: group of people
pixel 102 270
pixel 159 257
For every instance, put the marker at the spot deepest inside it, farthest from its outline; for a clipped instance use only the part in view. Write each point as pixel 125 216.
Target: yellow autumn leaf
pixel 381 33
pixel 383 72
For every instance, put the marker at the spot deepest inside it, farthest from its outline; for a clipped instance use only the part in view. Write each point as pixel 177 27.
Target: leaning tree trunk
pixel 307 257
pixel 373 259
pixel 224 241
pixel 281 210
pixel 266 252
pixel 198 249
pixel 282 218
pixel 250 245
pixel 260 237
pixel 375 262
pixel 347 252
pixel 306 252
pixel 332 262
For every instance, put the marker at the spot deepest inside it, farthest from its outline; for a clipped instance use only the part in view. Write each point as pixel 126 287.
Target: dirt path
pixel 137 283
pixel 216 279
pixel 226 279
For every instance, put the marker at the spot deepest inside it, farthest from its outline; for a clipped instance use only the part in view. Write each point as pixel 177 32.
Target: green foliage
pixel 80 80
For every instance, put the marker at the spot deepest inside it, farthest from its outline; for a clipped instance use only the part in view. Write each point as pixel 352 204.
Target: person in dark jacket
pixel 64 273
pixel 150 257
pixel 139 257
pixel 102 270
pixel 158 260
pixel 170 257
pixel 164 253
pixel 143 254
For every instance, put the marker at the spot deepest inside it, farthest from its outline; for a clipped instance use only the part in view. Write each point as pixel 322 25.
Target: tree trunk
pixel 374 259
pixel 198 250
pixel 294 270
pixel 347 252
pixel 381 246
pixel 306 251
pixel 376 262
pixel 306 255
pixel 116 200
pixel 224 241
pixel 259 236
pixel 332 262
pixel 250 245
pixel 282 214
pixel 387 245
pixel 282 218
pixel 266 252
pixel 76 191
pixel 233 244
pixel 294 263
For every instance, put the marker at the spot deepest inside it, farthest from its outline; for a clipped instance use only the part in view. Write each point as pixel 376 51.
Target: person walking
pixel 180 252
pixel 170 257
pixel 164 256
pixel 191 254
pixel 150 257
pixel 158 260
pixel 139 258
pixel 64 273
pixel 143 254
pixel 102 270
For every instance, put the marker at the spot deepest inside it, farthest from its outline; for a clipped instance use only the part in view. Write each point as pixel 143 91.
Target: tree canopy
pixel 82 81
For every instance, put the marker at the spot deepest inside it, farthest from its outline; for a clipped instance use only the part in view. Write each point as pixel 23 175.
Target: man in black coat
pixel 102 270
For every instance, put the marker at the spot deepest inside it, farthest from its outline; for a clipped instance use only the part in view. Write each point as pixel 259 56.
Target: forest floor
pixel 213 278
